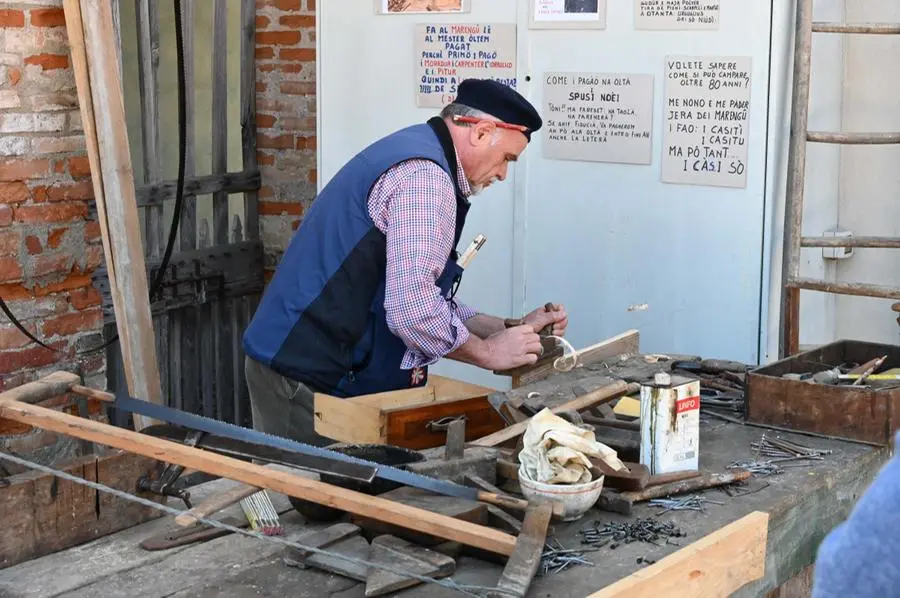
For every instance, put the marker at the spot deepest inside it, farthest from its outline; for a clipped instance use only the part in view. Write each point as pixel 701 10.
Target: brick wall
pixel 286 117
pixel 49 242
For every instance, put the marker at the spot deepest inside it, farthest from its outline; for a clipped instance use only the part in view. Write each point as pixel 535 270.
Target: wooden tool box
pixel 405 418
pixel 864 413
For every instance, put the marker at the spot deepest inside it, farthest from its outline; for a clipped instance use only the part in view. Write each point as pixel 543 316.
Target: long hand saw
pixel 385 472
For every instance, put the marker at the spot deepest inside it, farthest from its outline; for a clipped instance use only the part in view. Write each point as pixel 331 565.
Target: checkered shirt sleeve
pixel 414 205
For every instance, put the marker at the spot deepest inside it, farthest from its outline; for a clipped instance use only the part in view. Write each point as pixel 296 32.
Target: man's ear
pixel 482 133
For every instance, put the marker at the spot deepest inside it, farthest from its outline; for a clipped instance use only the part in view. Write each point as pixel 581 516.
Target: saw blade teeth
pixel 216 427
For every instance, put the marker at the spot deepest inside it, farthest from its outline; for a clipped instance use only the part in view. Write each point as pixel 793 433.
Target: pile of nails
pixel 557 558
pixel 649 530
pixel 773 455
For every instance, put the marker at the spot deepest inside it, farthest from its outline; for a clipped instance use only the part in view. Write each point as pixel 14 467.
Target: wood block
pixel 459 508
pixel 51 514
pixel 636 478
pixel 524 561
pixel 400 554
pixel 342 538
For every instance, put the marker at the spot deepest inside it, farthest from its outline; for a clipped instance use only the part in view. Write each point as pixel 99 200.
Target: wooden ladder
pixel 792 283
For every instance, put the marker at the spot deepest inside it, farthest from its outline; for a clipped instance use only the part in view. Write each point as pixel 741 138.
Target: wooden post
pixel 90 27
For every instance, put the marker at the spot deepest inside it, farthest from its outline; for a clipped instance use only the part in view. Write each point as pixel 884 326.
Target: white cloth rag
pixel 556 451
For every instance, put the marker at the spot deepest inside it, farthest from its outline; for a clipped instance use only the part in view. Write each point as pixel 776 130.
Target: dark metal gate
pixel 215 275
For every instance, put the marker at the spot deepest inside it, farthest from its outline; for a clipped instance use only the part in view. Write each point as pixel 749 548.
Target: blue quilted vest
pixel 321 320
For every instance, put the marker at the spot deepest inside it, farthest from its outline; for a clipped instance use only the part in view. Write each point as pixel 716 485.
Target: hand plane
pixel 551 349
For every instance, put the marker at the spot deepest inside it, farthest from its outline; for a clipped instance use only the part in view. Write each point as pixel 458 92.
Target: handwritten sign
pixel 676 14
pixel 705 126
pixel 598 117
pixel 448 53
pixel 572 11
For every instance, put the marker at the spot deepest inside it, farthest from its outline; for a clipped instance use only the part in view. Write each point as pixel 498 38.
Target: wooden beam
pixel 715 566
pixel 373 507
pixel 595 397
pixel 523 563
pixel 120 222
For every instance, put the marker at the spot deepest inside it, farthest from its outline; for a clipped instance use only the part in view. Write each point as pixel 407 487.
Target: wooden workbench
pixel 803 504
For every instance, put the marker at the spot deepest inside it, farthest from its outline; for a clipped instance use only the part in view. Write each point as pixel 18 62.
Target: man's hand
pixel 512 347
pixel 557 317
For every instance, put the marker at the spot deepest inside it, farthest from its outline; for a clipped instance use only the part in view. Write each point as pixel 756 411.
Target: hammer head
pixel 826 377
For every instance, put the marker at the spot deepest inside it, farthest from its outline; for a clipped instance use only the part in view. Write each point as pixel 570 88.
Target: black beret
pixel 500 101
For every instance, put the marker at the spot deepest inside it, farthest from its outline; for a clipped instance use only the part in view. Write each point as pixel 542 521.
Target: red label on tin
pixel 687 404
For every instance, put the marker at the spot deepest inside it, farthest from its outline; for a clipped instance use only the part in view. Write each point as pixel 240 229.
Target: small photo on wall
pixel 421 6
pixel 568 14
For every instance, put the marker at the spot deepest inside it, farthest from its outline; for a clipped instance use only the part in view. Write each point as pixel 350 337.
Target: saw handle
pixel 508 502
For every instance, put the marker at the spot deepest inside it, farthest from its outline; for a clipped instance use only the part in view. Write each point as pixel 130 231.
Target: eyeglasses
pixel 474 121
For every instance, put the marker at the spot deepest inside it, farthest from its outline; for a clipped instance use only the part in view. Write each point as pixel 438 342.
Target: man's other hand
pixel 512 347
pixel 540 317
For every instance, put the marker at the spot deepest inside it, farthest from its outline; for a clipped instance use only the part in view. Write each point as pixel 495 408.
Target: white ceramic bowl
pixel 575 498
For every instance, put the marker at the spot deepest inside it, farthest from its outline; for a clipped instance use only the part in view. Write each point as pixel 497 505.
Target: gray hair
pixel 454 109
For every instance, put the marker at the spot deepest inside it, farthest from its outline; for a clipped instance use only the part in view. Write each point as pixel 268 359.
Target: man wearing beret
pixel 363 299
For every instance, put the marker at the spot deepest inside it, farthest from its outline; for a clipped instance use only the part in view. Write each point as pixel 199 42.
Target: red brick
pixel 55 237
pixel 295 224
pixel 85 298
pixel 48 17
pixel 285 5
pixel 291 67
pixel 59 166
pixel 18 170
pixel 261 87
pixel 49 62
pixel 44 265
pixel 264 53
pixel 10 270
pixel 14 75
pixel 277 38
pixel 298 20
pixel 267 68
pixel 13 193
pixel 79 167
pixel 312 176
pixel 306 143
pixel 298 88
pixel 33 245
pixel 94 255
pixel 64 212
pixel 82 190
pixel 298 123
pixel 6 215
pixel 92 231
pixel 262 22
pixel 12 338
pixel 71 323
pixel 265 191
pixel 311 5
pixel 9 243
pixel 273 105
pixel 265 121
pixel 12 18
pixel 301 54
pixel 32 357
pixel 265 159
pixel 274 141
pixel 273 208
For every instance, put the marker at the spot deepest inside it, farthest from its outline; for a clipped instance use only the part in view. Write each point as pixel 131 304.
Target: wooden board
pixel 626 343
pixel 44 514
pixel 714 566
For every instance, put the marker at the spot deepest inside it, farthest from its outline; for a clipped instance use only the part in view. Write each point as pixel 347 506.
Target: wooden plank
pixel 248 114
pixel 400 554
pixel 126 259
pixel 523 563
pixel 48 387
pixel 595 397
pixel 290 484
pixel 226 182
pixel 46 514
pixel 626 343
pixel 206 358
pixel 714 566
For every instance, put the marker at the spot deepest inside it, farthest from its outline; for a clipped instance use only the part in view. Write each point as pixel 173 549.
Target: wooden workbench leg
pixel 524 561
